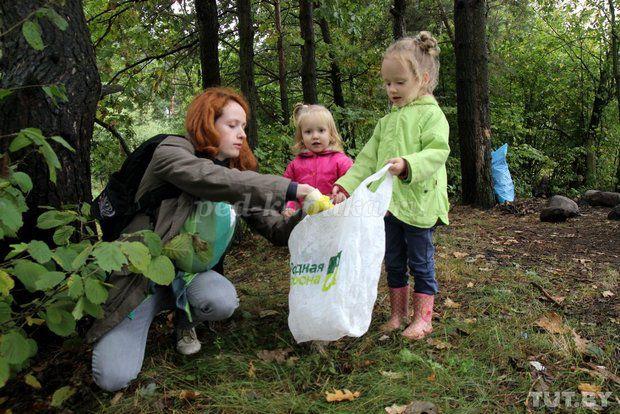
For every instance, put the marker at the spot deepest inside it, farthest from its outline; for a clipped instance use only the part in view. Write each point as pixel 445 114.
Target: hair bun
pixel 427 43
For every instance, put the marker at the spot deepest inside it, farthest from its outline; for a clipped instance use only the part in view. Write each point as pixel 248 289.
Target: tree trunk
pixel 601 99
pixel 336 77
pixel 281 66
pixel 473 101
pixel 208 33
pixel 308 63
pixel 68 59
pixel 616 73
pixel 246 66
pixel 398 23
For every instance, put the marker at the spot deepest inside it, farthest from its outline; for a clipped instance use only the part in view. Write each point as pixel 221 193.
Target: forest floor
pixel 525 307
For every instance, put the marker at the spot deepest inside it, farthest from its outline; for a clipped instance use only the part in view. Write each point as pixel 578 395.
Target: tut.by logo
pixel 569 399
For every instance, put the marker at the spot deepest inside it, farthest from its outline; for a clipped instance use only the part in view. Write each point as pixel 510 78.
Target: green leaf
pixel 19 142
pixel 95 291
pixel 64 256
pixel 92 309
pixel 35 135
pixel 138 255
pixel 4 371
pixel 161 270
pixel 85 209
pixel 78 309
pixel 10 215
pixel 5 312
pixel 22 180
pixel 28 273
pixel 62 235
pixel 180 246
pixel 54 218
pixel 39 251
pixel 75 286
pixel 32 32
pixel 80 259
pixel 4 93
pixel 14 347
pixel 17 249
pixel 51 160
pixel 152 241
pixel 61 395
pixel 6 283
pixel 60 321
pixel 54 17
pixel 62 142
pixel 109 256
pixel 32 381
pixel 49 280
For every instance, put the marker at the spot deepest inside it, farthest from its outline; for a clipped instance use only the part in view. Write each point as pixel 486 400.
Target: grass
pixel 478 361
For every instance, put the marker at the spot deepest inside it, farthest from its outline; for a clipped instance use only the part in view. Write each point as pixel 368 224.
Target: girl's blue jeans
pixel 409 246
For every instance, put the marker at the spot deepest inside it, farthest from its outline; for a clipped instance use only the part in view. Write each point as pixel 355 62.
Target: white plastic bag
pixel 336 260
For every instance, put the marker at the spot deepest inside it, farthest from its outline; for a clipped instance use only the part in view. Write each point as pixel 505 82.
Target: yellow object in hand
pixel 315 202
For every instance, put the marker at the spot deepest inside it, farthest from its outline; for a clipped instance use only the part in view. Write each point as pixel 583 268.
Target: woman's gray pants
pixel 118 355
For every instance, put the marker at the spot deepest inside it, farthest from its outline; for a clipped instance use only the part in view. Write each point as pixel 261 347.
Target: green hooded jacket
pixel 418 132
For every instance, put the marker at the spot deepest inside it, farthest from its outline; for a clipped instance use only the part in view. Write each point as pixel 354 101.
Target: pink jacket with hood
pixel 318 170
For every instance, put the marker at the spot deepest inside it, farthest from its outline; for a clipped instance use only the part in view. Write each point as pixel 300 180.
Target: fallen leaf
pixel 32 381
pixel 392 375
pixel 608 294
pixel 291 361
pixel 438 343
pixel 278 355
pixel 470 320
pixel 485 269
pixel 384 337
pixel 341 395
pixel 552 323
pixel 537 365
pixel 34 321
pixel 431 378
pixel 470 285
pixel 585 387
pixel 61 395
pixel 460 255
pixel 449 303
pixel 602 372
pixel 581 344
pixel 396 409
pixel 268 312
pixel 117 397
pixel 251 370
pixel 188 394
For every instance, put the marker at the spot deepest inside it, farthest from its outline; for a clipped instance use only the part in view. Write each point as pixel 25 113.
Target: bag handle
pixel 376 176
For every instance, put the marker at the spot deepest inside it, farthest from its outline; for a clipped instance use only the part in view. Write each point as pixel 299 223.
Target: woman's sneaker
pixel 187 341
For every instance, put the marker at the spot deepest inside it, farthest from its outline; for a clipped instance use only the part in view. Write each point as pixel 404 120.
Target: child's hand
pixel 288 212
pixel 398 166
pixel 337 196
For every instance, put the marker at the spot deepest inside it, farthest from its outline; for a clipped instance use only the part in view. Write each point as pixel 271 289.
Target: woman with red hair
pixel 212 170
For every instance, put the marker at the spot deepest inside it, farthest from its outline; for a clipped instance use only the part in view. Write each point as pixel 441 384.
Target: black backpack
pixel 115 206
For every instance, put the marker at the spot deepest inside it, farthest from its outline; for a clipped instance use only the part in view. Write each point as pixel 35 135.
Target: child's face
pixel 401 85
pixel 315 134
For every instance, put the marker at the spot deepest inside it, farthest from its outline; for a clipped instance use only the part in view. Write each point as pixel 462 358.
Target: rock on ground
pixel 559 209
pixel 602 198
pixel 614 214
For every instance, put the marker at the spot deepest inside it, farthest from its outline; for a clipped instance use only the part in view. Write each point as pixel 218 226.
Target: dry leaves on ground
pixel 341 395
pixel 439 344
pixel 449 303
pixel 188 394
pixel 460 255
pixel 277 355
pixel 392 375
pixel 396 409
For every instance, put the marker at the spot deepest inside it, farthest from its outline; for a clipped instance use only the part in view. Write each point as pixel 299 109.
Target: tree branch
pixel 115 133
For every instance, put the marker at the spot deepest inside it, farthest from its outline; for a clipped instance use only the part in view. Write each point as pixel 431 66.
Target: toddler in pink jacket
pixel 320 159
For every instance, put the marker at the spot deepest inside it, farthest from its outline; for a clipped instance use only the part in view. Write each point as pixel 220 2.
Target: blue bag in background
pixel 503 186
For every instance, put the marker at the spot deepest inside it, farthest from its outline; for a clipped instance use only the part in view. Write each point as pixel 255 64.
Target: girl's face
pixel 401 85
pixel 230 126
pixel 315 134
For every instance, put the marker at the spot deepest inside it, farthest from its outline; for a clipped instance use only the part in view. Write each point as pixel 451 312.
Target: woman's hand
pixel 288 212
pixel 303 190
pixel 337 195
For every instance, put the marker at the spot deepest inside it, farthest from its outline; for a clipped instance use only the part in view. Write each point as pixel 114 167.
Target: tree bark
pixel 246 66
pixel 334 72
pixel 308 62
pixel 281 66
pixel 208 32
pixel 601 99
pixel 68 59
pixel 616 73
pixel 473 102
pixel 398 23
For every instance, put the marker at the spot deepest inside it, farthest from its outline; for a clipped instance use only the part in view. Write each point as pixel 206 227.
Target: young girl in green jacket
pixel 413 137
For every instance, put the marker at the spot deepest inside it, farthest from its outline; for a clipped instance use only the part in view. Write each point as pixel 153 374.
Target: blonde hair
pixel 301 112
pixel 421 54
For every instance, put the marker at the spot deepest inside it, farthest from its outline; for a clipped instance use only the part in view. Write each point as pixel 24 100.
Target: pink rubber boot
pixel 422 317
pixel 399 303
